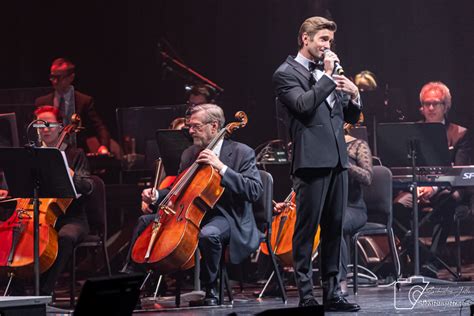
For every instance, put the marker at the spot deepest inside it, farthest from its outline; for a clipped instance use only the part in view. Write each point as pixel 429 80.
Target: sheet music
pixel 63 154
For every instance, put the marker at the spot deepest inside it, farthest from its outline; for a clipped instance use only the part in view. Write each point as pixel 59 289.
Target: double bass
pixel 16 233
pixel 283 228
pixel 169 242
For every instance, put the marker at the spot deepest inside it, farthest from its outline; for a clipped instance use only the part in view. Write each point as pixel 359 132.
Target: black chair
pixel 378 198
pixel 97 217
pixel 263 212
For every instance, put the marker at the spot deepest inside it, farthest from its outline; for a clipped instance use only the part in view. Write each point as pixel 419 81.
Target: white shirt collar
pixel 303 60
pixel 217 149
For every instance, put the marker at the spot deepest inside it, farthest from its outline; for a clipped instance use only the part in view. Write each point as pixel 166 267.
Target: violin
pixel 169 242
pixel 283 228
pixel 16 233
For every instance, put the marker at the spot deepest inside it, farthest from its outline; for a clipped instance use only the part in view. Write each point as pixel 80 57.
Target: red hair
pixel 48 108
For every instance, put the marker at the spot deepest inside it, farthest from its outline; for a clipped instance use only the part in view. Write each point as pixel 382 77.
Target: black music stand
pixel 37 173
pixel 171 144
pixel 412 145
pixel 396 140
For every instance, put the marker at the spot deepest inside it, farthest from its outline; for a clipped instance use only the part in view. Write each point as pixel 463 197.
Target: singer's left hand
pixel 346 86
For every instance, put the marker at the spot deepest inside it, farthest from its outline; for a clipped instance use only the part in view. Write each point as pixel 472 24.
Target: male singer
pixel 318 101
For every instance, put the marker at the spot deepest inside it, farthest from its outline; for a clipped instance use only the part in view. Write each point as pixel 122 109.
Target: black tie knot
pixel 315 65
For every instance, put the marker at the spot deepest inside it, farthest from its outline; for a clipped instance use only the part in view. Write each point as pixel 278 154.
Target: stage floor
pixel 381 300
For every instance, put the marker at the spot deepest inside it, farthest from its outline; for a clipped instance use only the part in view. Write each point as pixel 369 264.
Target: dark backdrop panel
pixel 237 44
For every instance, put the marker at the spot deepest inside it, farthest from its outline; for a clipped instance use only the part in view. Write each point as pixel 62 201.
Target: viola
pixel 283 228
pixel 16 233
pixel 169 242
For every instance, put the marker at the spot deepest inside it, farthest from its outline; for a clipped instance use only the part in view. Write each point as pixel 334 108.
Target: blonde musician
pixel 435 103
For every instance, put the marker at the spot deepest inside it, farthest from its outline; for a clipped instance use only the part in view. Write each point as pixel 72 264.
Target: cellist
pixel 231 221
pixel 72 226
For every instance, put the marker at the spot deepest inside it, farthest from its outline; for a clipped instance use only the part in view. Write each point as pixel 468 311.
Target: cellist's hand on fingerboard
pixel 279 207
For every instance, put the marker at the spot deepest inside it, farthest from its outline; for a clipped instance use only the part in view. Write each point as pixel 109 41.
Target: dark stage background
pixel 237 44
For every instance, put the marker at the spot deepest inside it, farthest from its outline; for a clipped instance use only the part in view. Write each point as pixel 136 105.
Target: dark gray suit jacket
pixel 316 130
pixel 243 186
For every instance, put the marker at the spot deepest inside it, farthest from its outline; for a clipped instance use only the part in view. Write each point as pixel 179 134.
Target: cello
pixel 169 242
pixel 283 228
pixel 157 185
pixel 16 250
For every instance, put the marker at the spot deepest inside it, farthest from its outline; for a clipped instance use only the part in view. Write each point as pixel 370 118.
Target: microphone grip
pixel 338 69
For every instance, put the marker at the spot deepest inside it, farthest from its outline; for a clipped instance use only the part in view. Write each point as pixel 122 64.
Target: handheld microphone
pixel 337 67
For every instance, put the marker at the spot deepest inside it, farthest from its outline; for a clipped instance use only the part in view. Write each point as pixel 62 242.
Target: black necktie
pixel 312 66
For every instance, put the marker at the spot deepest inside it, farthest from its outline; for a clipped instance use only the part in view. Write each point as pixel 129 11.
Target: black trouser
pixel 71 231
pixel 321 198
pixel 215 233
pixel 354 219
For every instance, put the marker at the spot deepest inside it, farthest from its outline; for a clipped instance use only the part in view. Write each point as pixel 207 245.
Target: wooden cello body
pixel 17 233
pixel 178 233
pixel 283 229
pixel 17 256
pixel 169 242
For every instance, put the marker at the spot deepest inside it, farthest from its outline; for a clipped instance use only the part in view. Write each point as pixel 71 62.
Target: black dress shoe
pixel 209 300
pixel 340 304
pixel 308 302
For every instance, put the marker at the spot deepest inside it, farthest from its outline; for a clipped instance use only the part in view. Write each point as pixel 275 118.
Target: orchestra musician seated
pixel 72 226
pixel 435 99
pixel 231 221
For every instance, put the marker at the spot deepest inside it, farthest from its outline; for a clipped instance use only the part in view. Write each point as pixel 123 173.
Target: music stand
pixel 171 144
pixel 37 173
pixel 429 139
pixel 412 145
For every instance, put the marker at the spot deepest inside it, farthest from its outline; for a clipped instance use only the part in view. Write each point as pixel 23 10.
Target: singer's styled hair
pixel 437 86
pixel 214 113
pixel 312 25
pixel 49 108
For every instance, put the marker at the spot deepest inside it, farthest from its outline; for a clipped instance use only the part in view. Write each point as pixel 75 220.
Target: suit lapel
pixel 300 70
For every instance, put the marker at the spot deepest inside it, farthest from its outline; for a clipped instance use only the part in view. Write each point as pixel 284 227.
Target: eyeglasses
pixel 58 77
pixel 435 104
pixel 197 126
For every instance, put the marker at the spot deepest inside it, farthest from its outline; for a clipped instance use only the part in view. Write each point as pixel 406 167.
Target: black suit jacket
pixel 90 119
pixel 243 186
pixel 316 130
